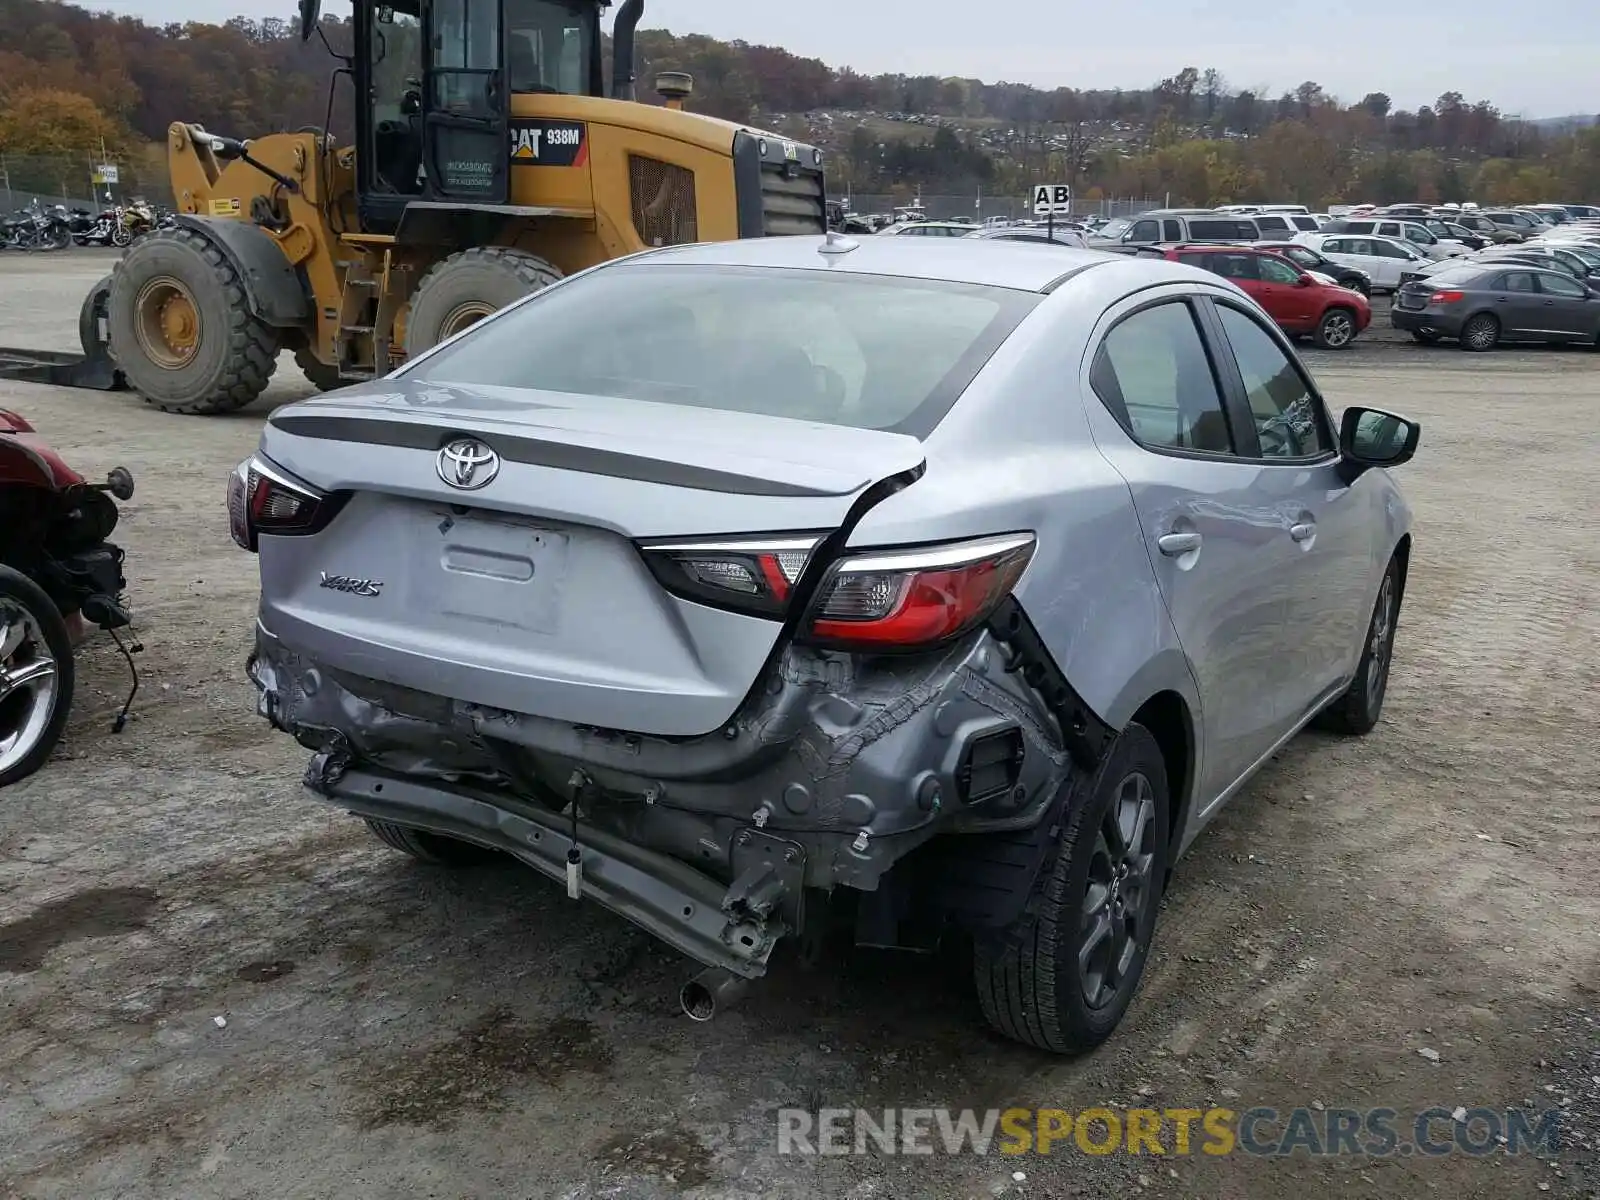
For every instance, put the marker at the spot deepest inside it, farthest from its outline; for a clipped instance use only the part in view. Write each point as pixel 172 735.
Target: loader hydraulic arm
pixel 230 148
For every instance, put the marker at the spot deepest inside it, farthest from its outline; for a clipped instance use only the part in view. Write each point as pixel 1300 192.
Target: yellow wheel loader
pixel 489 161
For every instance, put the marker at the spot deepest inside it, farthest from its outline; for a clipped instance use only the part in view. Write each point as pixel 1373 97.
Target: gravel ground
pixel 211 986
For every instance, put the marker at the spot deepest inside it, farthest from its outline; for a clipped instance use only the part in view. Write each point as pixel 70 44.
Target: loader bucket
pixel 91 369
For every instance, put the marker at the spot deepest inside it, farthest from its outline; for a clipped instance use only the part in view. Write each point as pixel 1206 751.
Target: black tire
pixel 1426 336
pixel 236 352
pixel 322 376
pixel 1480 333
pixel 122 236
pixel 1356 712
pixel 427 847
pixel 1030 981
pixel 94 312
pixel 467 287
pixel 1336 330
pixel 19 593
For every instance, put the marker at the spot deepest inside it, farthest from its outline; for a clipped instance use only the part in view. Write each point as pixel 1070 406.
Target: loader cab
pixel 433 81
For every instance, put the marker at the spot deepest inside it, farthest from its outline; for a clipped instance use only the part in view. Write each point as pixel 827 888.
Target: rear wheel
pixel 1480 333
pixel 36 676
pixel 181 327
pixel 1336 330
pixel 1062 976
pixel 323 377
pixel 428 847
pixel 466 287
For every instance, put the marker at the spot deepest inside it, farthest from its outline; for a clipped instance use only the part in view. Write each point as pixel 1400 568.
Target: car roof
pixel 993 262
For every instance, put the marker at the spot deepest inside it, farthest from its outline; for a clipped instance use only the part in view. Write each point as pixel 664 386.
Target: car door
pixel 1517 303
pixel 1217 551
pixel 1367 254
pixel 1292 306
pixel 1327 525
pixel 1143 233
pixel 1567 307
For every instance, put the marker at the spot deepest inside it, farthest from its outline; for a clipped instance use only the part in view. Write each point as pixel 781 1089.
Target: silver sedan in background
pixel 794 587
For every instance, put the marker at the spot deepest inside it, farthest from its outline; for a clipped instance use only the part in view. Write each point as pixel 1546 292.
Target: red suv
pixel 1299 302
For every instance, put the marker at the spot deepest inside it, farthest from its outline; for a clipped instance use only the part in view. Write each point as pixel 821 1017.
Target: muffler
pixel 711 990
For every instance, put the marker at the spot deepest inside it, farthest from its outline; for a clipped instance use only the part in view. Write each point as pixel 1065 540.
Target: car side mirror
pixel 1371 437
pixel 1304 281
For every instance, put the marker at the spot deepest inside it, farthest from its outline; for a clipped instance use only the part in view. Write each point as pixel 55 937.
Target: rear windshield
pixel 871 352
pixel 1454 275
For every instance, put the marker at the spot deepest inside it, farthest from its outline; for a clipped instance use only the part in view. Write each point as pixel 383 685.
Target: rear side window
pixel 1305 224
pixel 1517 281
pixel 1272 224
pixel 870 352
pixel 1218 230
pixel 1153 374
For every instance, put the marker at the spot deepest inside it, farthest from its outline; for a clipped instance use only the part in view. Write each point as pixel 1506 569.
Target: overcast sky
pixel 1537 61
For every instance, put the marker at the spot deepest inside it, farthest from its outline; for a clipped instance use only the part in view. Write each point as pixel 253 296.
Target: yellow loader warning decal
pixel 540 143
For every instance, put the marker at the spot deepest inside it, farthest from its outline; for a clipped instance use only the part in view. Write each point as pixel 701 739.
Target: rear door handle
pixel 1176 545
pixel 1304 531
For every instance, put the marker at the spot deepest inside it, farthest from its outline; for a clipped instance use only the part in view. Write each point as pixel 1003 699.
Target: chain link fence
pixel 73 180
pixel 980 208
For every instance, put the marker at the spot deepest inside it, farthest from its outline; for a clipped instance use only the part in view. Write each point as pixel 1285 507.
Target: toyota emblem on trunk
pixel 468 464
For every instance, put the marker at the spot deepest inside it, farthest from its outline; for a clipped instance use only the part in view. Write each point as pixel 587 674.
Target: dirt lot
pixel 211 986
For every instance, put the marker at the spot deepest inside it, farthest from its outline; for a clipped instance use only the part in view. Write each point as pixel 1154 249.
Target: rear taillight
pixel 262 499
pixel 912 599
pixel 754 575
pixel 1447 297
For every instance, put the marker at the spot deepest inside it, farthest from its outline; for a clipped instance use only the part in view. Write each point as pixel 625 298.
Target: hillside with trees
pixel 71 78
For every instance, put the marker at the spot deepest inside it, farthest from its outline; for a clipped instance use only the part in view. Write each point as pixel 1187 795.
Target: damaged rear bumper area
pixel 835 769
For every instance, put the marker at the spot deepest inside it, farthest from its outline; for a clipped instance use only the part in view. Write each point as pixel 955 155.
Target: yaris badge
pixel 468 464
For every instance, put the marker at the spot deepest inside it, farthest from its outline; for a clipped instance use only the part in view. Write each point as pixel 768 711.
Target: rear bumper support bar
pixel 665 897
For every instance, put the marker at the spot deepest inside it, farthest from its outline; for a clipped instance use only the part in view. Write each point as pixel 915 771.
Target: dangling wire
pixel 128 651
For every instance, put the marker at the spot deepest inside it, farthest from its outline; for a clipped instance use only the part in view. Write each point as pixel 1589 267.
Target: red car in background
pixel 1302 303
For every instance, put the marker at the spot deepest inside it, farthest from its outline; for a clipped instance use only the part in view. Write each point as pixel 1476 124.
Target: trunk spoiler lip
pixel 570 449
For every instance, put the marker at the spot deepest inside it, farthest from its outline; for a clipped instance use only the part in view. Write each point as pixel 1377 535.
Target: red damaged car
pixel 1303 303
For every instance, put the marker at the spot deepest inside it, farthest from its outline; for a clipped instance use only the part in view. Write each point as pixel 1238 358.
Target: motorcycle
pixel 32 228
pixel 58 575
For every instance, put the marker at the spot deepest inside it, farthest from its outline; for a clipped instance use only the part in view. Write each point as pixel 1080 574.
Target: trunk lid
pixel 528 593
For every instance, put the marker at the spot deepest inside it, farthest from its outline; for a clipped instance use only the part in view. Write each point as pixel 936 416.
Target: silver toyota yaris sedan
pixel 777 587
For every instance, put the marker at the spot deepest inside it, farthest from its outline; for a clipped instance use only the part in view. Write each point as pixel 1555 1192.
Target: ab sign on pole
pixel 1049 200
pixel 1052 200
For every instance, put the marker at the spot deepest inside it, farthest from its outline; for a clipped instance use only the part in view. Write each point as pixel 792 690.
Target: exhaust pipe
pixel 712 989
pixel 622 64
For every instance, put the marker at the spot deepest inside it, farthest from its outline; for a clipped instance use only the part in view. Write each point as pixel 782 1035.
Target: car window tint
pixel 1287 413
pixel 1516 281
pixel 1335 246
pixel 1172 230
pixel 1557 285
pixel 869 352
pixel 1235 266
pixel 1360 227
pixel 1453 276
pixel 1305 224
pixel 1360 246
pixel 1272 224
pixel 1145 231
pixel 1215 230
pixel 1274 271
pixel 1303 256
pixel 1153 373
pixel 1391 250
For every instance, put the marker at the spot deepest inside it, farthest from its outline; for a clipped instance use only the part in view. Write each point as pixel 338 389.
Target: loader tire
pixel 182 331
pixel 323 377
pixel 466 287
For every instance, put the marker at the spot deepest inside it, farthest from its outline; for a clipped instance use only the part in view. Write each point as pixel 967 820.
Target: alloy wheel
pixel 1120 891
pixel 1337 330
pixel 28 683
pixel 1380 643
